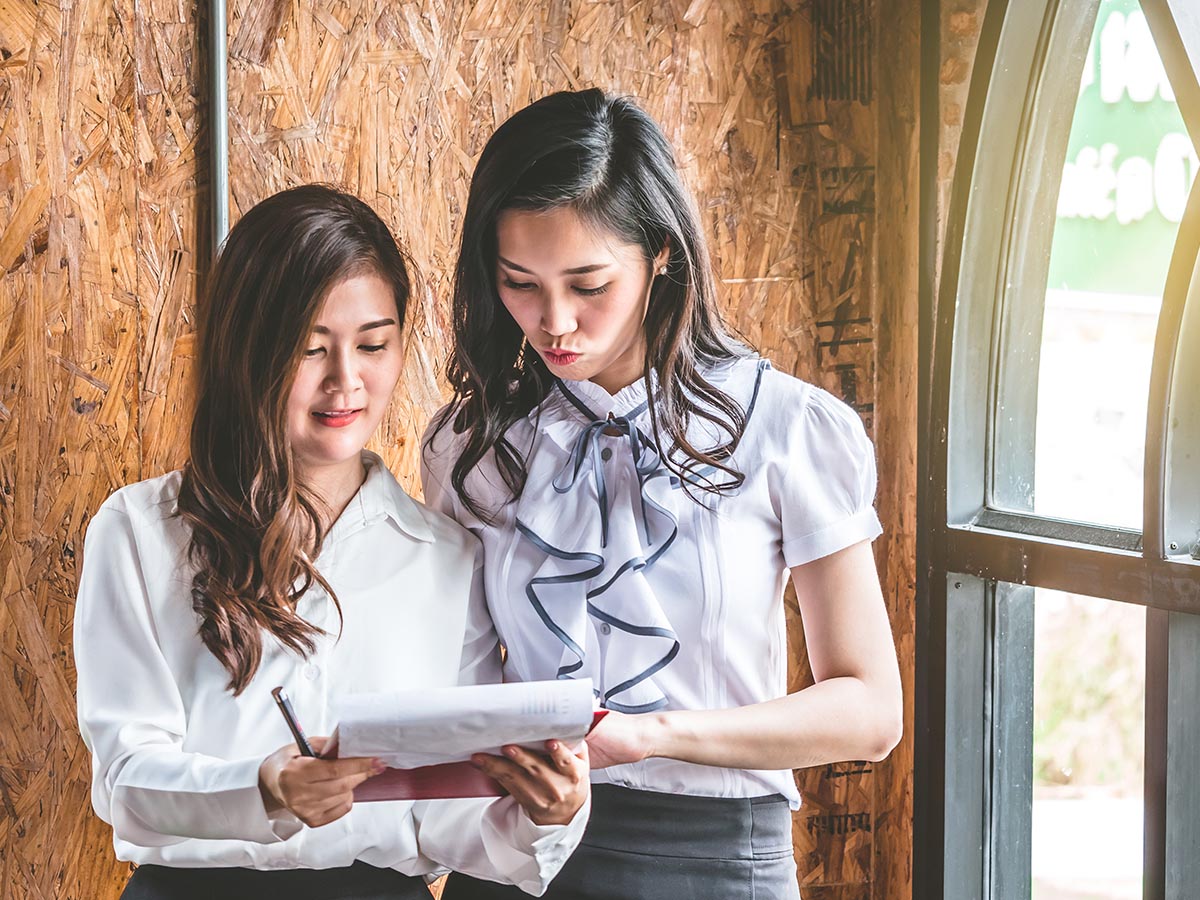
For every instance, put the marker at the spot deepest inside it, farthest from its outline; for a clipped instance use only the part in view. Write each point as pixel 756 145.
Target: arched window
pixel 1058 710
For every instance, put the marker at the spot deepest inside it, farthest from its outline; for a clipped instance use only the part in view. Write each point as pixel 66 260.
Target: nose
pixel 558 314
pixel 342 377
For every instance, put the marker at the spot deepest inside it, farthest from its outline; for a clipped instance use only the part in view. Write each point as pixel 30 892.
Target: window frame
pixel 977 563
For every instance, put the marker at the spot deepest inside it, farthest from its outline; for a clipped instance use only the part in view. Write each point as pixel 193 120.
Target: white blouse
pixel 175 756
pixel 605 568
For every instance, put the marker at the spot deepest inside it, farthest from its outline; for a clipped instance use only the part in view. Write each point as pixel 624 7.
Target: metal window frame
pixel 977 564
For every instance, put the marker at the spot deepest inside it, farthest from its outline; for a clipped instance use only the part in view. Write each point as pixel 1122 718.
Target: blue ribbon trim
pixel 648 465
pixel 586 454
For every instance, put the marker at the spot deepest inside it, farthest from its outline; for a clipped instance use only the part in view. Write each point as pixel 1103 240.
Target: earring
pixel 662 271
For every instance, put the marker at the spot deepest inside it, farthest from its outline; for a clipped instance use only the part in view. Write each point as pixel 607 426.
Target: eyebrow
pixel 370 326
pixel 578 270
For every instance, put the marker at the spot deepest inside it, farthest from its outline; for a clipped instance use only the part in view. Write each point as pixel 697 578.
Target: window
pixel 1059 620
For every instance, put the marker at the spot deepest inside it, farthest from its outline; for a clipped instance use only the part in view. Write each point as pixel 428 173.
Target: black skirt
pixel 357 882
pixel 643 845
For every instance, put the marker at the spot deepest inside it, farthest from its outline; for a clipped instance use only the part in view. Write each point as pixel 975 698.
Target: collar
pixel 629 401
pixel 381 496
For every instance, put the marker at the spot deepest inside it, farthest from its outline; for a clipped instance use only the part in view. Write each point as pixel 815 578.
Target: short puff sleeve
pixel 824 479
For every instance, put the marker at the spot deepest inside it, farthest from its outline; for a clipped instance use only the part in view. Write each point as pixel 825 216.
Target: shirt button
pixel 605 628
pixel 606 454
pixel 312 671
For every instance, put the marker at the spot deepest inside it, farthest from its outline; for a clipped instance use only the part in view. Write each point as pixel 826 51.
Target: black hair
pixel 606 159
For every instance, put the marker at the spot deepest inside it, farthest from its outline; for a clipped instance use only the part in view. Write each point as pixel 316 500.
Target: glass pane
pixel 1088 747
pixel 1125 182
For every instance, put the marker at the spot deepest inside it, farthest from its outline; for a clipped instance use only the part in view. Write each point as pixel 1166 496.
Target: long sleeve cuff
pixel 550 846
pixel 224 803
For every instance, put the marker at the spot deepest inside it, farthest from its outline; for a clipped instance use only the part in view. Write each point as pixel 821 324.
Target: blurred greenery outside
pixel 1128 170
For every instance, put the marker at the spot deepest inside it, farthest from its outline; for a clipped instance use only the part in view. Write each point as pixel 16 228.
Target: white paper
pixel 407 729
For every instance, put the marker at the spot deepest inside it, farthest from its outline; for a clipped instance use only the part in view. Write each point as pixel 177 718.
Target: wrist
pixel 271 801
pixel 657 730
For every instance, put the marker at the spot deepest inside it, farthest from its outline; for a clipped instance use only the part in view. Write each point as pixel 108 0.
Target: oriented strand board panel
pixel 69 343
pixel 776 108
pixel 396 102
pixel 174 243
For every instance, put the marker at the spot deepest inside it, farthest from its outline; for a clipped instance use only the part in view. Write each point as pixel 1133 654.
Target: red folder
pixel 440 782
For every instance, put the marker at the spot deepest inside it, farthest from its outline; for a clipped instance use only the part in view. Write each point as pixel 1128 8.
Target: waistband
pixel 360 881
pixel 684 825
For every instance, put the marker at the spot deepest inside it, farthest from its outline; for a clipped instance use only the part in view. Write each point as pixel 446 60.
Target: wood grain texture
pixel 897 316
pixel 68 407
pixel 104 245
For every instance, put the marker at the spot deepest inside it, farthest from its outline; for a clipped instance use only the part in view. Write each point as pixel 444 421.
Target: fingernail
pixel 477 761
pixel 510 751
pixel 552 745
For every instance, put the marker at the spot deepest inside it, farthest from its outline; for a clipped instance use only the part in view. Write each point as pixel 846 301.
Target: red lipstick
pixel 559 357
pixel 336 418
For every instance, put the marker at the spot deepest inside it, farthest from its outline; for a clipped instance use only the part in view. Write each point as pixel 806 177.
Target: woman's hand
pixel 550 788
pixel 316 791
pixel 622 738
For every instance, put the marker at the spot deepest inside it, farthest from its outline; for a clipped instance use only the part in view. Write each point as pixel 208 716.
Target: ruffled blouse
pixel 610 566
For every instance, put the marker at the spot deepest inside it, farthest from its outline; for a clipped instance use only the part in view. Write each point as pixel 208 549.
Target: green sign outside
pixel 1129 165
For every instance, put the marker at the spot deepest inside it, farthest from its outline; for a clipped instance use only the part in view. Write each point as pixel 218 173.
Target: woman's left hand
pixel 621 739
pixel 550 788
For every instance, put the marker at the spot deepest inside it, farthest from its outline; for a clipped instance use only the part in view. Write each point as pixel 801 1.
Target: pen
pixel 289 716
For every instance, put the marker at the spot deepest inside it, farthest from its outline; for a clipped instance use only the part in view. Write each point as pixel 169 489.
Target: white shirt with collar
pixel 605 568
pixel 175 756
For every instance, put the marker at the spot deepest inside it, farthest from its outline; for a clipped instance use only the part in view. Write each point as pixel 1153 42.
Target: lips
pixel 336 418
pixel 560 357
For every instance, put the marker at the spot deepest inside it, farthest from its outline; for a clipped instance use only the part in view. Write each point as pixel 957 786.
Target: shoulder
pixel 441 445
pixel 140 520
pixel 441 448
pixel 772 400
pixel 151 501
pixel 418 521
pixel 446 532
pixel 788 403
pixel 790 419
pixel 778 391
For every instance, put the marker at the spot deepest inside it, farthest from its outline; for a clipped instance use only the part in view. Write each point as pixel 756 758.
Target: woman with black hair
pixel 643 486
pixel 284 553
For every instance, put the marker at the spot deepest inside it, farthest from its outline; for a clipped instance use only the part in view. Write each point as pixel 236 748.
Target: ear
pixel 661 260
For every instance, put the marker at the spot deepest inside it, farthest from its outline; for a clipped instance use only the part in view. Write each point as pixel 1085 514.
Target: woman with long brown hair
pixel 284 553
pixel 644 486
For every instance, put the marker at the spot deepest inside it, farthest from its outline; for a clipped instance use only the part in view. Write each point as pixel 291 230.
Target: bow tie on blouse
pixel 587 451
pixel 598 535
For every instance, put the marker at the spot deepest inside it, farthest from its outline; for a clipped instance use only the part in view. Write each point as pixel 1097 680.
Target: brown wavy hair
pixel 255 528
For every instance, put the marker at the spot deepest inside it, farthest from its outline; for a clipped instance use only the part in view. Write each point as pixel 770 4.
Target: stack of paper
pixel 427 736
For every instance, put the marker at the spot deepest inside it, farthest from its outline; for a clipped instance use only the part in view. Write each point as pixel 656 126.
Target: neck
pixel 335 485
pixel 624 371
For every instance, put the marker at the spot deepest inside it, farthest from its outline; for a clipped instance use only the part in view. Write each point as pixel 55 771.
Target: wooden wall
pixel 795 124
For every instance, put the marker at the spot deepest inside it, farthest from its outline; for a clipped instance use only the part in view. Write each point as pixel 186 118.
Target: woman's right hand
pixel 316 791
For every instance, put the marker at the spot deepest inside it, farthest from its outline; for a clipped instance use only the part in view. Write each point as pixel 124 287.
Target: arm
pixel 133 719
pixel 132 715
pixel 853 711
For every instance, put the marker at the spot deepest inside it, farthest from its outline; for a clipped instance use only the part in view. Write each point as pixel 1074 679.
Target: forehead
pixel 558 238
pixel 358 299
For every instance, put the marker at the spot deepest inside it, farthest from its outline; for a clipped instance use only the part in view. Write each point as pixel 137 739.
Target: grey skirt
pixel 643 845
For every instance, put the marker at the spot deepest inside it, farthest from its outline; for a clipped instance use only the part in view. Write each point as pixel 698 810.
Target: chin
pixel 577 371
pixel 322 454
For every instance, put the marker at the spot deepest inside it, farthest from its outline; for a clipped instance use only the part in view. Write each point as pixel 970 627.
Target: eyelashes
pixel 368 348
pixel 529 286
